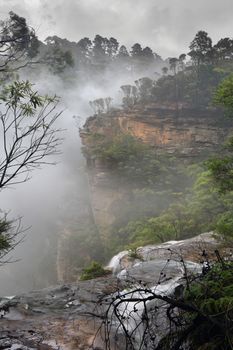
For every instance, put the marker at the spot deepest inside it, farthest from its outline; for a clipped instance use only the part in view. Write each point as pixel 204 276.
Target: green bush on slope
pixel 94 270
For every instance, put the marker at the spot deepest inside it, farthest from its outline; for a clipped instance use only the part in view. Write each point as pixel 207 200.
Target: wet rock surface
pixel 152 259
pixel 156 270
pixel 58 317
pixel 64 317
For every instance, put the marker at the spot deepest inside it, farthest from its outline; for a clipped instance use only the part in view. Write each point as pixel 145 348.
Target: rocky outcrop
pixel 188 132
pixel 148 261
pixel 58 317
pixel 67 317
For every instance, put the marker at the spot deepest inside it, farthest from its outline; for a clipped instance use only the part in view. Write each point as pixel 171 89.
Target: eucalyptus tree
pixel 18 43
pixel 200 47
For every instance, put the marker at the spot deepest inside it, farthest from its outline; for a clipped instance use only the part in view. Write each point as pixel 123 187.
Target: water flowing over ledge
pixel 62 316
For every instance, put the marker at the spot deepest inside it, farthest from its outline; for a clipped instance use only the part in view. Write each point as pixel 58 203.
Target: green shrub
pixel 133 253
pixel 212 296
pixel 225 225
pixel 92 271
pixel 129 159
pixel 122 148
pixel 5 238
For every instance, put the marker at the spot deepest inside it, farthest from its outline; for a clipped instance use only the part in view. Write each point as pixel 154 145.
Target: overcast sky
pixel 167 26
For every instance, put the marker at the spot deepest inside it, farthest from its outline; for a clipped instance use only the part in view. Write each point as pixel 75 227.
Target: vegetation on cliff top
pixel 186 83
pixel 186 205
pixel 208 205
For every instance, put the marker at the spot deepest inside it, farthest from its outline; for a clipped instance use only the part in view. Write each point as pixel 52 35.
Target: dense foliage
pixel 197 209
pixel 212 297
pixel 165 197
pixel 129 159
pixel 18 44
pixel 186 82
pixel 185 207
pixel 94 270
pixel 134 163
pixel 95 56
pixel 5 239
pixel 222 167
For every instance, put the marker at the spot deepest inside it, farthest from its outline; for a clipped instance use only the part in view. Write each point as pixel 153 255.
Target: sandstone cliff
pixel 188 131
pixel 188 134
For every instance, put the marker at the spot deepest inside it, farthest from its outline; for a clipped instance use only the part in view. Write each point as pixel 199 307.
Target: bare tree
pixel 27 132
pixel 130 97
pixel 101 105
pixel 27 137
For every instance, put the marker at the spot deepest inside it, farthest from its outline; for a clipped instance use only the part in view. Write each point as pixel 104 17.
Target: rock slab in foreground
pixel 61 317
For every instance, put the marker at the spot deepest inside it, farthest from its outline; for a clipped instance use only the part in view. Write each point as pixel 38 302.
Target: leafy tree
pixel 4 238
pixel 147 231
pixel 173 62
pixel 181 60
pixel 147 55
pixel 144 86
pixel 224 95
pixel 185 214
pixel 10 236
pixel 136 51
pixel 212 296
pixel 200 47
pixel 84 47
pixel 201 53
pixel 99 51
pixel 112 47
pixel 18 43
pixel 164 89
pixel 57 59
pixel 165 70
pixel 123 53
pixel 224 225
pixel 224 49
pixel 222 168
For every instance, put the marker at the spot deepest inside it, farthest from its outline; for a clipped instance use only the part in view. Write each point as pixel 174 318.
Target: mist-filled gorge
pixel 116 179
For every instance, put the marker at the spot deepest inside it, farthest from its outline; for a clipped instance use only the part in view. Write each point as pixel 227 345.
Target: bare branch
pixel 28 132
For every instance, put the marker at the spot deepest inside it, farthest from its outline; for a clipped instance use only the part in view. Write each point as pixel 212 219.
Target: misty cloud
pixel 167 26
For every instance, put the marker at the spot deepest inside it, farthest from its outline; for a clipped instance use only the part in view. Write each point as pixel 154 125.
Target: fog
pixel 166 26
pixel 56 194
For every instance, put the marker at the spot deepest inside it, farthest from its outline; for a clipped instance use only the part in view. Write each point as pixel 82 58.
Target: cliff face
pixel 188 131
pixel 189 134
